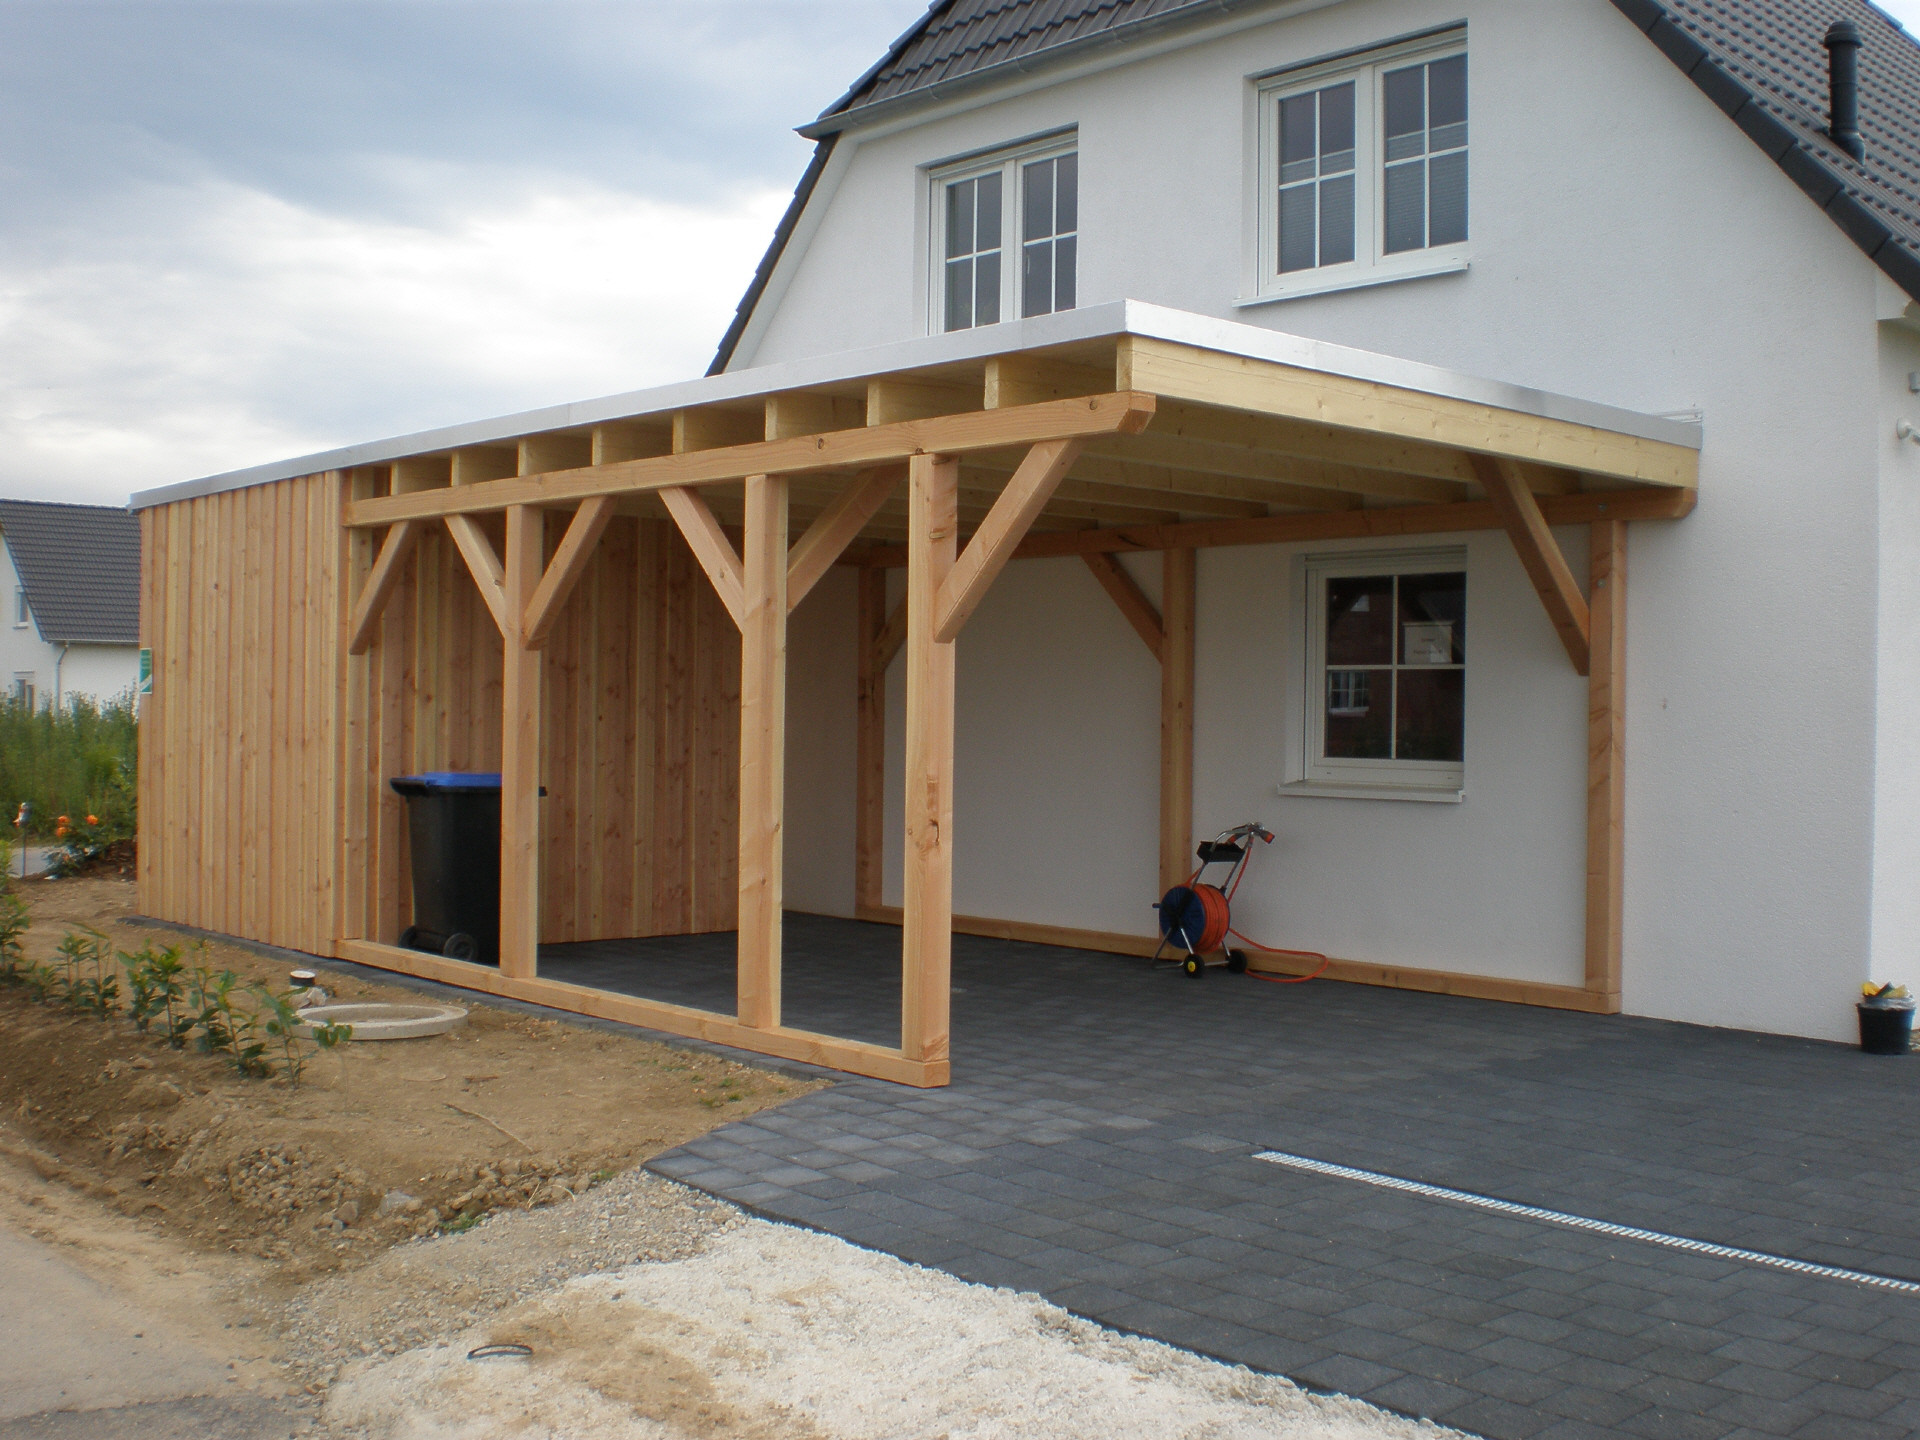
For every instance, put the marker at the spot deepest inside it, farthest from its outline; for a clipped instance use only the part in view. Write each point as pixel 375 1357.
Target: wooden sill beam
pixel 993 544
pixel 711 548
pixel 1539 552
pixel 1122 413
pixel 569 563
pixel 1132 600
pixel 387 569
pixel 485 566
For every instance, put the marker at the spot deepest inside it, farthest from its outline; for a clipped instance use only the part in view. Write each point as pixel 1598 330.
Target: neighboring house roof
pixel 1760 61
pixel 80 565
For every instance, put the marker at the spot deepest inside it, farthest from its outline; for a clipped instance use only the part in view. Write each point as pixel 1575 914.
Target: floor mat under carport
pixel 1098 1146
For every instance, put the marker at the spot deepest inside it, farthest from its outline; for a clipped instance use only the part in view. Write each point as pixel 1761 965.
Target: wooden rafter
pixel 833 529
pixel 1139 611
pixel 388 566
pixel 484 565
pixel 993 544
pixel 1539 552
pixel 710 547
pixel 841 450
pixel 569 563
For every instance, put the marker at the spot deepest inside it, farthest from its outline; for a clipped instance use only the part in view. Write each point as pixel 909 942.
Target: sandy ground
pixel 188 1252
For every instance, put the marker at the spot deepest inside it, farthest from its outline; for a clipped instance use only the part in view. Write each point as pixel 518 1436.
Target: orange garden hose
pixel 1217 906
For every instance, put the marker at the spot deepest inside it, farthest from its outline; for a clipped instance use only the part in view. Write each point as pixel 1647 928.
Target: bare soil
pixel 379 1143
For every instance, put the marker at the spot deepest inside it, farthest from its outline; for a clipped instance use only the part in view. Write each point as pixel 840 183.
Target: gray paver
pixel 1099 1135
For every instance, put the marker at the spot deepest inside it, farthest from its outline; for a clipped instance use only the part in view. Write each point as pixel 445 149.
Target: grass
pixel 76 762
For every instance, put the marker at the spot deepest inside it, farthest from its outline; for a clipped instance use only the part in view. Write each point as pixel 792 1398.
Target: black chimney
pixel 1843 84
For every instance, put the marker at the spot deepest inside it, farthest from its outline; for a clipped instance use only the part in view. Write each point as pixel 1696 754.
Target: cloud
pixel 236 232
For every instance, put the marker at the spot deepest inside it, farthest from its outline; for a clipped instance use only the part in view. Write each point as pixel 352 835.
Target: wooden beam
pixel 1539 554
pixel 710 547
pixel 870 739
pixel 1177 605
pixel 569 563
pixel 763 750
pixel 993 544
pixel 1185 372
pixel 478 464
pixel 892 636
pixel 810 412
pixel 1606 758
pixel 927 932
pixel 891 400
pixel 1024 379
pixel 387 569
pixel 482 563
pixel 860 449
pixel 835 527
pixel 853 1056
pixel 520 753
pixel 1386 522
pixel 1133 602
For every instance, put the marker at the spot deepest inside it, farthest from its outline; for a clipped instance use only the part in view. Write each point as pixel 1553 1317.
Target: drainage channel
pixel 1582 1222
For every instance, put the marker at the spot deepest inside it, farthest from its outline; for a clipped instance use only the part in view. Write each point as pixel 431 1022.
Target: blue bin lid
pixel 443 782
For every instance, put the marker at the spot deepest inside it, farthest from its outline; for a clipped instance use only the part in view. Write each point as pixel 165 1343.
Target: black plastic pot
pixel 453 833
pixel 1886 1029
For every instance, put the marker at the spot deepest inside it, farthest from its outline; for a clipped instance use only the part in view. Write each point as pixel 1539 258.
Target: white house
pixel 1654 216
pixel 70 575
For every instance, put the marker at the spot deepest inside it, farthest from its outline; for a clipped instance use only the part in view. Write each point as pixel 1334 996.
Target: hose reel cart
pixel 1197 917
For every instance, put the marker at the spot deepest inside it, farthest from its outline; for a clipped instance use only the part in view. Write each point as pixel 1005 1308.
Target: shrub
pixel 76 762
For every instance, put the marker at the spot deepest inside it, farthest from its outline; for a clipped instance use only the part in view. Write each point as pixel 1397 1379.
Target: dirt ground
pixel 378 1143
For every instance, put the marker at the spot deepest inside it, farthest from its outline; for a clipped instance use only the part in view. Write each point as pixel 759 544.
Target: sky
pixel 237 231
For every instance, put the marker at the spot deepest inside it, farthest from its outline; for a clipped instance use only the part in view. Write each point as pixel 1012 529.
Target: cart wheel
pixel 1236 962
pixel 461 947
pixel 1193 966
pixel 409 938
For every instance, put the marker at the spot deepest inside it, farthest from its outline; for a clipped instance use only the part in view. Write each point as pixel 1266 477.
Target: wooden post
pixel 870 743
pixel 1606 757
pixel 763 748
pixel 927 911
pixel 520 751
pixel 1177 605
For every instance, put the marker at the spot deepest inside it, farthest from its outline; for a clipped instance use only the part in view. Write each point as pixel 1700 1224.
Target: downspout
pixel 59 661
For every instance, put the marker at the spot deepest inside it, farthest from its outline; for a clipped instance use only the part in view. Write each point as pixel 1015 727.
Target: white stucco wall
pixel 99 672
pixel 1629 246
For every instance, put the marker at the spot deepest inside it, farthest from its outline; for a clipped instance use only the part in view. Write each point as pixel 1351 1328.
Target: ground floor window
pixel 1386 651
pixel 23 689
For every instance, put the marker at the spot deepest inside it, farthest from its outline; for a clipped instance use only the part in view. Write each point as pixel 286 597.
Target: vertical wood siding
pixel 265 750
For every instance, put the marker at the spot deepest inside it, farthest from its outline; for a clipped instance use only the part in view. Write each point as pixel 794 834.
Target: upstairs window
pixel 1007 237
pixel 22 612
pixel 1363 171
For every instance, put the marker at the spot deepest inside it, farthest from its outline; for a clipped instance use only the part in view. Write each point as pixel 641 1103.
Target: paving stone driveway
pixel 1097 1146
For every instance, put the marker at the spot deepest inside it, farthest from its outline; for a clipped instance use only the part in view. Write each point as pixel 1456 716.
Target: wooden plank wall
pixel 240 605
pixel 253 714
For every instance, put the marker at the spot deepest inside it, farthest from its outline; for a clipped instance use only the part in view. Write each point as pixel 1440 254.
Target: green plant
pixel 97 993
pixel 75 761
pixel 284 1025
pixel 14 921
pixel 166 992
pixel 246 1045
pixel 210 1001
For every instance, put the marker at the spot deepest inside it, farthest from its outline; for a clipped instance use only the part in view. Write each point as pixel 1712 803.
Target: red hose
pixel 1218 909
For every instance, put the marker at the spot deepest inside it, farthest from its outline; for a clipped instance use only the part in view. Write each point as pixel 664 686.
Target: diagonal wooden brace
pixel 477 550
pixel 1006 525
pixel 1133 603
pixel 387 569
pixel 835 527
pixel 710 547
pixel 1539 553
pixel 570 562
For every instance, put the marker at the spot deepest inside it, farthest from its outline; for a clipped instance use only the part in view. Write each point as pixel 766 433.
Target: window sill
pixel 1425 794
pixel 1359 280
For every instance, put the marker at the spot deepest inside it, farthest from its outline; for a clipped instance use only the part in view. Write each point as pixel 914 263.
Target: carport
pixel 602 592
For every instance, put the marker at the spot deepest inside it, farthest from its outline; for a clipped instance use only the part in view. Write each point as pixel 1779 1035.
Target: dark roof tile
pixel 80 565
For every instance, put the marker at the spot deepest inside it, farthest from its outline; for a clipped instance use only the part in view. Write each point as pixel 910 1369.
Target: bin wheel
pixel 1236 962
pixel 461 947
pixel 1194 966
pixel 410 938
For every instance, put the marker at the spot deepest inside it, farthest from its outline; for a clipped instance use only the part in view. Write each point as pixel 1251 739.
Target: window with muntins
pixel 1024 204
pixel 1363 171
pixel 1387 660
pixel 22 614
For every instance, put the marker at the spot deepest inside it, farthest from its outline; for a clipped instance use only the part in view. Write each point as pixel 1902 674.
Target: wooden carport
pixel 1159 433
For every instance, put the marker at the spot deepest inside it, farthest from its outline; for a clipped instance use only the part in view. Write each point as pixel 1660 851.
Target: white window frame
pixel 1371 265
pixel 26 689
pixel 1007 163
pixel 1424 778
pixel 22 612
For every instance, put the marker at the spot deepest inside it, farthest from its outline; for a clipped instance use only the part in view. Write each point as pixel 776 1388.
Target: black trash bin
pixel 453 826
